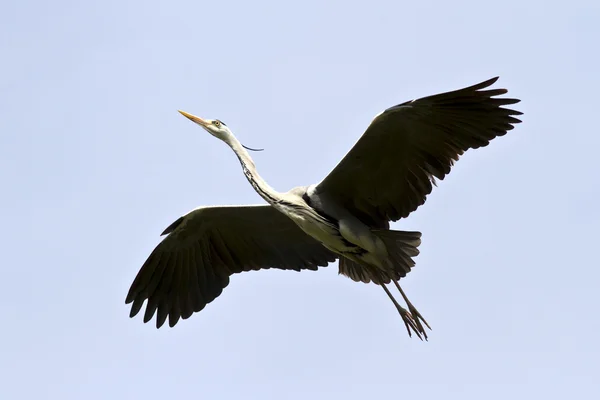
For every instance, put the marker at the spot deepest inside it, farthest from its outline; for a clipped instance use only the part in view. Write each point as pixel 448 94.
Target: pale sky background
pixel 95 162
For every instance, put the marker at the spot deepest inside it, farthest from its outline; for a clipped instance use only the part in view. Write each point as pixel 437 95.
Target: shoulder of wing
pixel 210 213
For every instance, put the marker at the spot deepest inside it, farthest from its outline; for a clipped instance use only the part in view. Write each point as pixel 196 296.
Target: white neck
pixel 258 183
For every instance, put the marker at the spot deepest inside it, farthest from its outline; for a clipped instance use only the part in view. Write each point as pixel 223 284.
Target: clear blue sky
pixel 95 162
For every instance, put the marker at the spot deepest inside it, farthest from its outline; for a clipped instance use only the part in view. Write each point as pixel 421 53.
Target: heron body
pixel 386 175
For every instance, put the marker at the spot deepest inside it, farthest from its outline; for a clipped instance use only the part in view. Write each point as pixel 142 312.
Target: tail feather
pixel 402 246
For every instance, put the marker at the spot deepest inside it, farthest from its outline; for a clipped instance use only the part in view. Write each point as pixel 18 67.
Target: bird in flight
pixel 386 175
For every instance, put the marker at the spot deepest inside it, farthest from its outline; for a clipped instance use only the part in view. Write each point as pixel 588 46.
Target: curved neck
pixel 261 187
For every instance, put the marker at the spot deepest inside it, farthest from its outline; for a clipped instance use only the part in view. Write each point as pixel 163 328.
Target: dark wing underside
pixel 192 265
pixel 391 169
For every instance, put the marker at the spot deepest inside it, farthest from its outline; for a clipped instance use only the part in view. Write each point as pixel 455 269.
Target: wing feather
pixel 393 167
pixel 192 265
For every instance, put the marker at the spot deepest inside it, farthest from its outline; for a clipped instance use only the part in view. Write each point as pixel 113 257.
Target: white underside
pixel 355 233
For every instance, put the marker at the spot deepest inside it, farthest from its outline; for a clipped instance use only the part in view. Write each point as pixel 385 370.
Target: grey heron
pixel 386 175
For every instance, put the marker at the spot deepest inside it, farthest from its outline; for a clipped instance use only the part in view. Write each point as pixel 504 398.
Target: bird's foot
pixel 407 317
pixel 416 315
pixel 410 323
pixel 417 318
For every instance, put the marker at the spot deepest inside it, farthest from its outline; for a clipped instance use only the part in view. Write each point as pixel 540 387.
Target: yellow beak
pixel 195 119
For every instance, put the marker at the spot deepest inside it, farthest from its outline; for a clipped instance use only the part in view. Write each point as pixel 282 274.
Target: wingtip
pixel 133 312
pixel 173 226
pixel 481 85
pixel 486 83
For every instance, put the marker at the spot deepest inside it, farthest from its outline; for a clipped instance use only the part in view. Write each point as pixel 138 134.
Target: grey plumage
pixel 387 175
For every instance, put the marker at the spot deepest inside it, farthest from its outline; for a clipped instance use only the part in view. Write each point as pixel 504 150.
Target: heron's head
pixel 216 128
pixel 213 126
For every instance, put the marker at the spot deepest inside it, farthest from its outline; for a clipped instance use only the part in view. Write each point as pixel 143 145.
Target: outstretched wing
pixel 192 265
pixel 390 171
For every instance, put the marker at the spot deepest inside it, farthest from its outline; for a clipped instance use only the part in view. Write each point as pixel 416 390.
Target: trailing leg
pixel 406 316
pixel 416 315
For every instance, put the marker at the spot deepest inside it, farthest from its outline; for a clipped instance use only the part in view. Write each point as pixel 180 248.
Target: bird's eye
pixel 217 123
